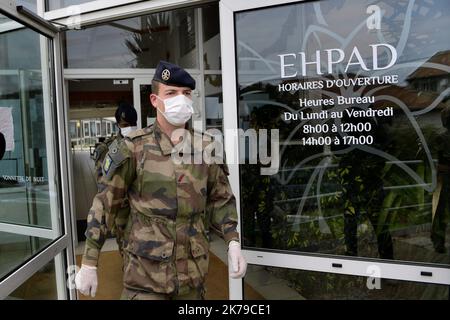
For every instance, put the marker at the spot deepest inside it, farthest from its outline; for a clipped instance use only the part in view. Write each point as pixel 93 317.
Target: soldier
pixel 166 247
pixel 126 118
pixel 2 145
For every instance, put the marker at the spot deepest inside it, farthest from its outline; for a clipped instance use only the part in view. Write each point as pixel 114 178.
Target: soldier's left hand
pixel 236 261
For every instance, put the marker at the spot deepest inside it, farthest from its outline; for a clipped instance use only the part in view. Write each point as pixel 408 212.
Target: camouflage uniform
pixel 117 228
pixel 101 149
pixel 166 244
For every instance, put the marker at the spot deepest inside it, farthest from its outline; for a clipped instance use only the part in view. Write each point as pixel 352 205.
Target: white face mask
pixel 127 130
pixel 178 109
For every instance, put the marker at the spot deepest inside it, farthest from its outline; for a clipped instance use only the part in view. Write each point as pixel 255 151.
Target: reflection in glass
pixel 148 112
pixel 40 286
pixel 211 37
pixel 29 4
pixel 25 192
pixel 381 191
pixel 16 249
pixel 93 103
pixel 139 42
pixel 58 4
pixel 213 101
pixel 287 284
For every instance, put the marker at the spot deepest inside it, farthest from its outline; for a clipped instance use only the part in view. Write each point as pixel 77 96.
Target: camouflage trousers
pixel 128 294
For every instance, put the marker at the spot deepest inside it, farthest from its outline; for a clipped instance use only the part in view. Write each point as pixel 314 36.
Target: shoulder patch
pixel 107 164
pixel 117 154
pixel 99 151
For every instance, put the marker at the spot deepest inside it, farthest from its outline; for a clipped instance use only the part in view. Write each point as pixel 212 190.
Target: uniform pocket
pixel 150 238
pixel 149 254
pixel 200 258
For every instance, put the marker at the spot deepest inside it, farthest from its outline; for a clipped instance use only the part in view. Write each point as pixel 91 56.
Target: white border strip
pixel 115 73
pixel 385 270
pixel 239 5
pixel 10 9
pixel 67 207
pixel 86 7
pixel 230 117
pixel 89 13
pixel 28 230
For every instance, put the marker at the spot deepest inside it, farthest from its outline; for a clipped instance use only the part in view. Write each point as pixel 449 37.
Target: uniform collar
pixel 166 145
pixel 162 139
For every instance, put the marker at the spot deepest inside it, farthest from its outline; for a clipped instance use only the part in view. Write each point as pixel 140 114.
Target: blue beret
pixel 127 113
pixel 173 75
pixel 2 145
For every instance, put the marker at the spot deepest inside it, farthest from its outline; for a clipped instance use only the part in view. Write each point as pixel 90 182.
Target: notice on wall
pixel 7 127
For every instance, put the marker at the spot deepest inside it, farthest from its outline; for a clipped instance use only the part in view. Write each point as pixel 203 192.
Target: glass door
pixel 356 96
pixel 142 88
pixel 34 234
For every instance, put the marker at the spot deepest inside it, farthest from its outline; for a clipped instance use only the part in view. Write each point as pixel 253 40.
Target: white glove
pixel 236 261
pixel 86 280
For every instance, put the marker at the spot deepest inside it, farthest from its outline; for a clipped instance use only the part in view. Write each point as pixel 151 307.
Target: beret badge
pixel 165 75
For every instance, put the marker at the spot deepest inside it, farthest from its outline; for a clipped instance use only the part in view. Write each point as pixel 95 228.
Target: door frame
pixel 137 82
pixel 60 249
pixel 400 270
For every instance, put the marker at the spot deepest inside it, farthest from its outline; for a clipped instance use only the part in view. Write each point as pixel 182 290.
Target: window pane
pixel 139 42
pixel 213 101
pixel 27 195
pixel 93 102
pixel 211 37
pixel 29 4
pixel 40 286
pixel 367 176
pixel 16 249
pixel 288 284
pixel 58 4
pixel 148 112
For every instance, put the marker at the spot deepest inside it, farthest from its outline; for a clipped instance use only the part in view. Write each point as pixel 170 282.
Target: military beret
pixel 127 113
pixel 173 75
pixel 2 145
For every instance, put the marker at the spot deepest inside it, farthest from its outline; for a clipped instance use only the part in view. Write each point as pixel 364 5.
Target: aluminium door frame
pixel 400 270
pixel 60 249
pixel 100 11
pixel 89 15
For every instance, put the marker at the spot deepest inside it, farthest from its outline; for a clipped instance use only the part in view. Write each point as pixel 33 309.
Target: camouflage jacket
pixel 117 227
pixel 171 206
pixel 101 149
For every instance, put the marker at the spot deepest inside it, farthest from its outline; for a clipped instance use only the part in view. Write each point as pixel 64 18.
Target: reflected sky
pixel 342 24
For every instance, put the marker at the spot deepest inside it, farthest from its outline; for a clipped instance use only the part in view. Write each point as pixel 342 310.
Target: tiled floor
pixel 110 279
pixel 259 284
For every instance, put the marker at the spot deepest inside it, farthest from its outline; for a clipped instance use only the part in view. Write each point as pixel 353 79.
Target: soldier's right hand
pixel 86 280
